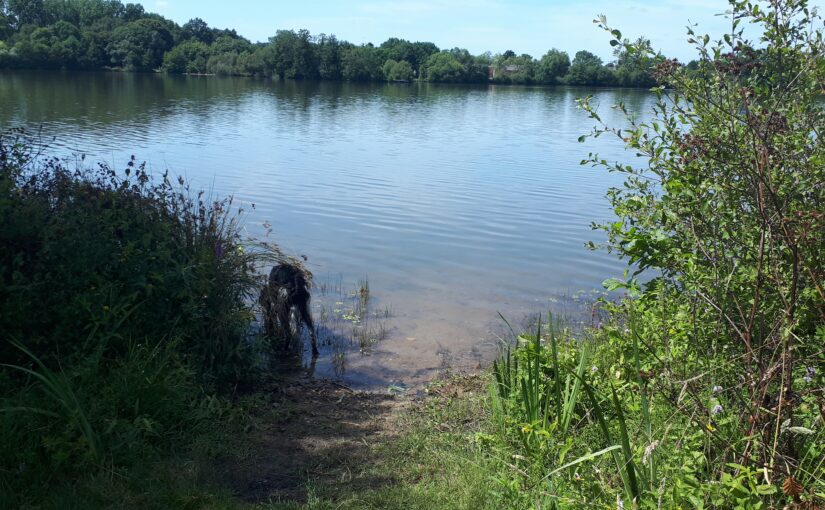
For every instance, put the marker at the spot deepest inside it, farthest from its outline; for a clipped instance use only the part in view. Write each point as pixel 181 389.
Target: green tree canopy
pixel 293 55
pixel 553 66
pixel 188 57
pixel 444 66
pixel 361 63
pixel 329 57
pixel 587 69
pixel 141 44
pixel 198 30
pixel 398 71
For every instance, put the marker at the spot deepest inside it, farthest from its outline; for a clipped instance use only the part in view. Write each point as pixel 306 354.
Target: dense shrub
pixel 704 387
pixel 124 302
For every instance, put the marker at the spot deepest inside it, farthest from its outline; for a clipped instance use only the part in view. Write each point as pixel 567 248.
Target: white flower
pixel 717 409
pixel 717 389
pixel 810 372
pixel 649 451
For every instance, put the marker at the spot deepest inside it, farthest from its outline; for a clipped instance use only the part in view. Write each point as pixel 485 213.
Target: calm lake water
pixel 454 202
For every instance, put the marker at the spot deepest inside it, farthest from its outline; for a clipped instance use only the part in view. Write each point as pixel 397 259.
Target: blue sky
pixel 525 26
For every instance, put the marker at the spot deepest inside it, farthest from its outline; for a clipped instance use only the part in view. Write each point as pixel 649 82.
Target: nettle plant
pixel 729 211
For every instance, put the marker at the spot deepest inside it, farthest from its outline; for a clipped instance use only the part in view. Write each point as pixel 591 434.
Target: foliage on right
pixel 729 214
pixel 703 387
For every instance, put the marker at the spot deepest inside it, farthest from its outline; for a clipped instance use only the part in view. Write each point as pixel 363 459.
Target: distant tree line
pixel 108 34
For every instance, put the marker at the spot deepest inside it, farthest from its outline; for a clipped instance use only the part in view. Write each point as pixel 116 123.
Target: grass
pixel 435 458
pixel 435 452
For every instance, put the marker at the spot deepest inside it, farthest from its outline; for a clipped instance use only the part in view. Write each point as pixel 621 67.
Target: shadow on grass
pixel 310 433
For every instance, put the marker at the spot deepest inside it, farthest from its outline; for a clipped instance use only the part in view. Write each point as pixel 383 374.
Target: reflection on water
pixel 456 202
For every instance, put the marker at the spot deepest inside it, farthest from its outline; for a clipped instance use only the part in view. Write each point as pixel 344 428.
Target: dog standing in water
pixel 286 290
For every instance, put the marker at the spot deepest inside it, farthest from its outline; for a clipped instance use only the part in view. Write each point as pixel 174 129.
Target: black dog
pixel 288 288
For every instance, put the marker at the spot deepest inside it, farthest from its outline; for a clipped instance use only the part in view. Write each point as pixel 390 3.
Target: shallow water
pixel 454 202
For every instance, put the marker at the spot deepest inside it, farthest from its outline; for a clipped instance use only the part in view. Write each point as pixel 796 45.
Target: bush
pixel 703 387
pixel 123 303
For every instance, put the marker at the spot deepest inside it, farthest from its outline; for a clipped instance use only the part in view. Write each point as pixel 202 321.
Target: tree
pixel 329 57
pixel 387 68
pixel 188 57
pixel 293 55
pixel 515 69
pixel 197 29
pixel 227 44
pixel 29 12
pixel 587 69
pixel 91 12
pixel 398 71
pixel 444 67
pixel 251 63
pixel 93 49
pixel 141 44
pixel 54 46
pixel 361 63
pixel 634 68
pixel 133 12
pixel 553 66
pixel 6 21
pixel 421 51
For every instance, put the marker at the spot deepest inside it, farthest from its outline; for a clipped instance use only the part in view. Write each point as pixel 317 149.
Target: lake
pixel 454 203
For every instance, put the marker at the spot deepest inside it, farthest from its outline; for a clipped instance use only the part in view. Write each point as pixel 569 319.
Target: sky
pixel 524 26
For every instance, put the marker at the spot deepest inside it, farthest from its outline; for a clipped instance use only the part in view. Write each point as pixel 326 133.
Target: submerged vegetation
pixel 107 34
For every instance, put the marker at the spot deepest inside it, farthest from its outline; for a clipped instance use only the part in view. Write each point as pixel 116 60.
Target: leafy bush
pixel 123 303
pixel 705 389
pixel 728 211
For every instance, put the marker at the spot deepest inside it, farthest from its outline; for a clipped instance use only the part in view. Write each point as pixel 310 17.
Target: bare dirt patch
pixel 313 433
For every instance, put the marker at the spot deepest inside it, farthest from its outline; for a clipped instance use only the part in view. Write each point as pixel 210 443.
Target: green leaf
pixel 584 458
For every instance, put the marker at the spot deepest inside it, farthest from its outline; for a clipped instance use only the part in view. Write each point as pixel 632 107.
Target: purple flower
pixel 717 409
pixel 810 372
pixel 219 250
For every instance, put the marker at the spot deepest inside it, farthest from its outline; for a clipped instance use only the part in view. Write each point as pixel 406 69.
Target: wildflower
pixel 717 409
pixel 594 369
pixel 810 372
pixel 219 250
pixel 717 389
pixel 649 449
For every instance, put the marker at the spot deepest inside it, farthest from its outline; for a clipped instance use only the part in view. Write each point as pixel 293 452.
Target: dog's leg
pixel 265 300
pixel 283 319
pixel 306 318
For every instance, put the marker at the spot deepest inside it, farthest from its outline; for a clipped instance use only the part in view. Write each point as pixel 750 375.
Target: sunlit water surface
pixel 454 203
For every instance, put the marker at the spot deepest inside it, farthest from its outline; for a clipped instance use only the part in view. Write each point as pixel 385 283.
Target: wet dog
pixel 287 290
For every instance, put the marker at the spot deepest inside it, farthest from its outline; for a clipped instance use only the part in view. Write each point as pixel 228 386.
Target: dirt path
pixel 312 433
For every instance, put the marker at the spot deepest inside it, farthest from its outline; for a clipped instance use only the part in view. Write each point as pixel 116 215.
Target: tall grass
pixel 608 422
